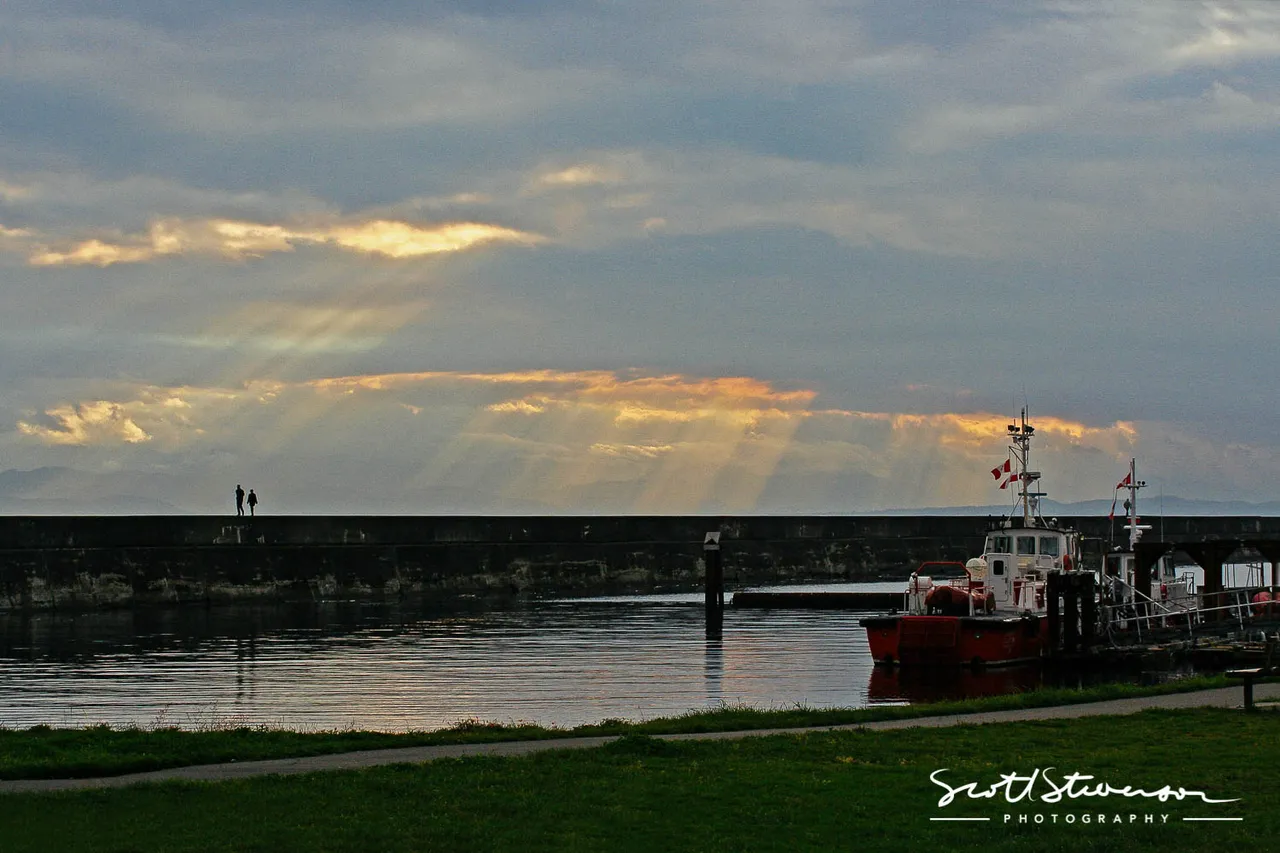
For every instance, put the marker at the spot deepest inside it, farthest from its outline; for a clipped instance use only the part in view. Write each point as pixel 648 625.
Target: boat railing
pixel 1236 604
pixel 1029 594
pixel 1132 605
pixel 913 599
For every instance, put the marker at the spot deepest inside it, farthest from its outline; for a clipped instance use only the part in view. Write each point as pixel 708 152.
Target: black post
pixel 1071 615
pixel 1088 610
pixel 1053 588
pixel 1142 592
pixel 713 585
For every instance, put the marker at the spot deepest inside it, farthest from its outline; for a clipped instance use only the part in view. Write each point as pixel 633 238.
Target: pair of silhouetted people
pixel 253 500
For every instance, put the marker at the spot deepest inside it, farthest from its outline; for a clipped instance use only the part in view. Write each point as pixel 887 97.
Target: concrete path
pixel 1230 697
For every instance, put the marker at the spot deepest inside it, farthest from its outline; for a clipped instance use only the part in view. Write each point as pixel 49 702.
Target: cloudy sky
pixel 666 257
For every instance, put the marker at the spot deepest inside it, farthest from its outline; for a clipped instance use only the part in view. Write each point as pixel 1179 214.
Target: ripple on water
pixel 557 663
pixel 394 667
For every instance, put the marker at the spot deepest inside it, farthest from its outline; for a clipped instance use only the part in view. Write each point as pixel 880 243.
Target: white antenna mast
pixel 1131 506
pixel 1020 434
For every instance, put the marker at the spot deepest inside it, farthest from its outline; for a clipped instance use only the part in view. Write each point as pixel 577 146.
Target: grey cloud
pixel 912 207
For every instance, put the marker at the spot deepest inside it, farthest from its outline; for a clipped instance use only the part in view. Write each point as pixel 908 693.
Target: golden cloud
pixel 170 417
pixel 983 429
pixel 522 407
pixel 637 399
pixel 238 240
pixel 631 451
pixel 628 402
pixel 95 422
pixel 664 443
pixel 92 253
pixel 625 400
pixel 401 240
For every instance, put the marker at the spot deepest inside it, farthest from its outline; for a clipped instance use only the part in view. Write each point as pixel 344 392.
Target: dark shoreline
pixel 86 563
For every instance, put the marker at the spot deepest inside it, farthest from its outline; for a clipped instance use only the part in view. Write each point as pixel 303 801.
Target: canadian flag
pixel 999 471
pixel 1128 480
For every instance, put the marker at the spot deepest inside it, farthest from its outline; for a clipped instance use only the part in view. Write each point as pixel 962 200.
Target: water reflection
pixel 412 666
pixel 405 666
pixel 889 686
pixel 714 671
pixel 935 684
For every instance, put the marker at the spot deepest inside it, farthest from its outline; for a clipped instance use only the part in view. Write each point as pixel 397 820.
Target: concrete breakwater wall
pixel 85 563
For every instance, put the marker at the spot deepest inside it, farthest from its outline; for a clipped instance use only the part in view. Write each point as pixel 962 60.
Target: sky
pixel 661 258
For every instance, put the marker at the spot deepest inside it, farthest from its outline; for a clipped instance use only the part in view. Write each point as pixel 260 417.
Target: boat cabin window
pixel 999 544
pixel 997 567
pixel 1049 545
pixel 1026 544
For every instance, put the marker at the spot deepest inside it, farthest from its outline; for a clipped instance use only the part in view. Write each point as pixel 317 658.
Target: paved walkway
pixel 1230 697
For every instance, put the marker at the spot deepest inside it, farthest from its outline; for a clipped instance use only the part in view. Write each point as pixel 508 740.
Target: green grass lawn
pixel 849 790
pixel 43 752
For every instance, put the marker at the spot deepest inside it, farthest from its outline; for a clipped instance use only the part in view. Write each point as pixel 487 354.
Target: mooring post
pixel 1053 587
pixel 1071 615
pixel 713 585
pixel 1088 610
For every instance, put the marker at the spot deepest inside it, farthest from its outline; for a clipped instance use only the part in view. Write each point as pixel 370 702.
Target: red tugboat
pixel 995 614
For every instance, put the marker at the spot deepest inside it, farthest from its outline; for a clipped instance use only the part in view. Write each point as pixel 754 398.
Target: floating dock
pixel 865 601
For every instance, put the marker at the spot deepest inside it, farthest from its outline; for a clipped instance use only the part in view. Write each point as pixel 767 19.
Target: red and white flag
pixel 1000 471
pixel 1128 479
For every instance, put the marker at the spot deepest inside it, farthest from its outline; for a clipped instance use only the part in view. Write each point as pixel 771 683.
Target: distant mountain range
pixel 1148 508
pixel 68 491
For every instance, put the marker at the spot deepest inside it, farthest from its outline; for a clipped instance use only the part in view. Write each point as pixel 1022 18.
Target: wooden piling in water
pixel 1071 610
pixel 713 585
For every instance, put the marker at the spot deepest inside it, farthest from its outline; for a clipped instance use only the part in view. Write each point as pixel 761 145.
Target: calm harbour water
pixel 397 667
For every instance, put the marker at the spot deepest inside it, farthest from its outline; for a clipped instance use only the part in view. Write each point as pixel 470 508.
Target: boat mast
pixel 1131 506
pixel 1020 434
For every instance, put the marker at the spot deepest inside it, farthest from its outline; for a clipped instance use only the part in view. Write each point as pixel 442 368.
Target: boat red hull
pixel 923 684
pixel 956 640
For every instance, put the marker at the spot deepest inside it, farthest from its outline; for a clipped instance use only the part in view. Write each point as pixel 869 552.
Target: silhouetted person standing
pixel 239 500
pixel 253 501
